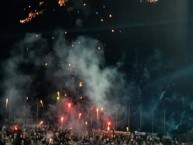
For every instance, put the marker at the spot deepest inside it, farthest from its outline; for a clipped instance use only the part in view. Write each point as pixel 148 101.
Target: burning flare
pixel 62 2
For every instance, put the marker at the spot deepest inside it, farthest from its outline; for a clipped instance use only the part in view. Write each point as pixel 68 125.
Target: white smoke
pixel 87 64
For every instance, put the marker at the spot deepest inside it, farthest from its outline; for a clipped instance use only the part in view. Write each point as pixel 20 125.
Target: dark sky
pixel 144 26
pixel 152 41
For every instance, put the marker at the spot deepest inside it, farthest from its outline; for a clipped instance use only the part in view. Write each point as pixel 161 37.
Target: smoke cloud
pixel 38 68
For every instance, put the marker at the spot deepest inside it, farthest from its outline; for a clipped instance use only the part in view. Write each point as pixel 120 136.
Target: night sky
pixel 135 53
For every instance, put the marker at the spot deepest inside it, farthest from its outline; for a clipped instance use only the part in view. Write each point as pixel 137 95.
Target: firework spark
pixel 80 84
pixel 58 96
pixel 62 2
pixel 42 104
pixel 41 3
pixel 31 16
pixel 79 115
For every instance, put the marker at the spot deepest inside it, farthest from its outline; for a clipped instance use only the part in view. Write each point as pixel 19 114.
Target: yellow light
pixel 112 30
pixel 58 96
pixel 80 84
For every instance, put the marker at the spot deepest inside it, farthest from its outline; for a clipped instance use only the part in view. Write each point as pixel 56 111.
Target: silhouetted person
pixel 18 140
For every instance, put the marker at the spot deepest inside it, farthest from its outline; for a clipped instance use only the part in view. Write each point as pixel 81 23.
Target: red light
pixel 23 135
pixel 109 123
pixel 69 105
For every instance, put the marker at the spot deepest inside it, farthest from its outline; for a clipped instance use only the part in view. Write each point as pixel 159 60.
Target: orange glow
pixel 80 84
pixel 62 2
pixel 31 15
pixel 41 122
pixel 97 113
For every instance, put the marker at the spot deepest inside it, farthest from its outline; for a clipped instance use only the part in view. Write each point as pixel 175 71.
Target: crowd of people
pixel 46 135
